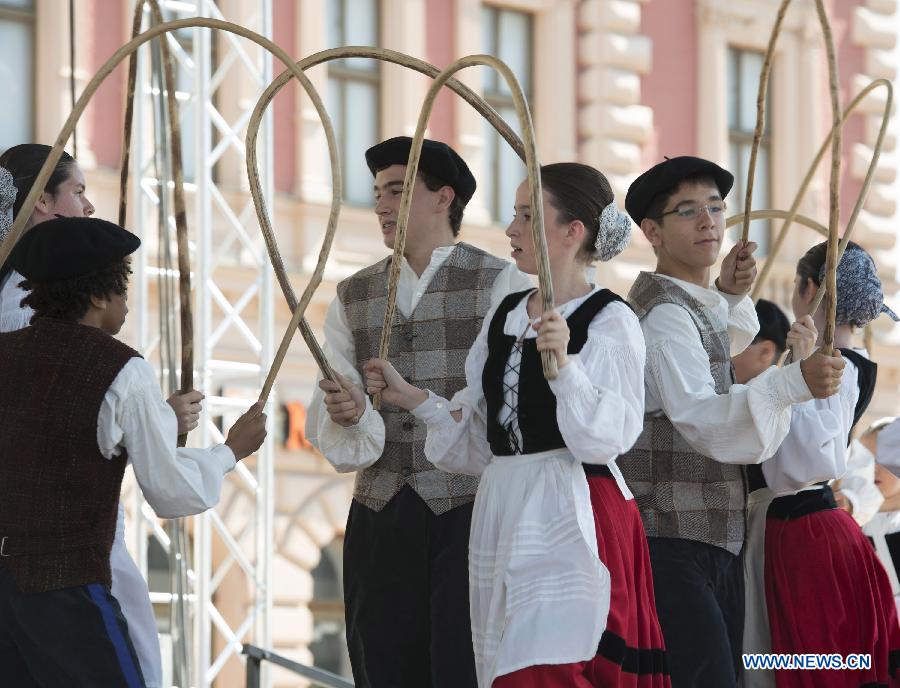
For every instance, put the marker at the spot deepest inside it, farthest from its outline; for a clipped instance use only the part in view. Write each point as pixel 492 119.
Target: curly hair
pixel 71 299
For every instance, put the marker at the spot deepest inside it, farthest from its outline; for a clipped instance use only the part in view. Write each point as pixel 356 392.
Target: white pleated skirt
pixel 539 592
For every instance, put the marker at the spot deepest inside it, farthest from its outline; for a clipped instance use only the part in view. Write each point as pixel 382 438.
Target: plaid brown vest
pixel 680 492
pixel 428 349
pixel 60 494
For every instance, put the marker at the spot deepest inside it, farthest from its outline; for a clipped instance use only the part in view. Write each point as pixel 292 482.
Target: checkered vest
pixel 680 492
pixel 429 349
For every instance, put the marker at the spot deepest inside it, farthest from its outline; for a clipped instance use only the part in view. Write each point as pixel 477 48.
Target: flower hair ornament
pixel 7 199
pixel 613 234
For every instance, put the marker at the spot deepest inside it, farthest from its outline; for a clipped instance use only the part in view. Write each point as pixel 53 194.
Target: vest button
pixel 408 425
pixel 408 335
pixel 406 472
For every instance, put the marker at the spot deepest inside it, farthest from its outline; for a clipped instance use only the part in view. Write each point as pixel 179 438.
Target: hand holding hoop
pixel 534 180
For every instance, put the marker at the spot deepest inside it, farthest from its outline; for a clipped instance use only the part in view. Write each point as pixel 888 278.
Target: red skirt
pixel 632 651
pixel 826 592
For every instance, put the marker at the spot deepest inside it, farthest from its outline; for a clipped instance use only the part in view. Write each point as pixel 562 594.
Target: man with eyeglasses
pixel 686 470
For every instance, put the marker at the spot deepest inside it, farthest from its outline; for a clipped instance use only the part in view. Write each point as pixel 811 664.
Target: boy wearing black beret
pixel 406 545
pixel 686 470
pixel 77 406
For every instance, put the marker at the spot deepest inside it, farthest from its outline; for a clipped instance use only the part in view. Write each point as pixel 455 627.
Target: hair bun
pixel 614 233
pixel 7 199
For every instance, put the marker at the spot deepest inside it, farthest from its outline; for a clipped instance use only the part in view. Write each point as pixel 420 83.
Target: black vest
pixel 537 403
pixel 60 494
pixel 867 374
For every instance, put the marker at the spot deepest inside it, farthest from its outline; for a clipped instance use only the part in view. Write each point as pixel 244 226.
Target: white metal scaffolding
pixel 233 328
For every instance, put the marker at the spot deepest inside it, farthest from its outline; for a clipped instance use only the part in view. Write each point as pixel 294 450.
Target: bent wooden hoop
pixel 534 183
pixel 90 89
pixel 181 231
pixel 384 55
pixel 834 182
pixel 810 174
pixel 778 215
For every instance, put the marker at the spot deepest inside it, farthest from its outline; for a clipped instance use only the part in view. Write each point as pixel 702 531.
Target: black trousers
pixel 74 637
pixel 700 602
pixel 406 589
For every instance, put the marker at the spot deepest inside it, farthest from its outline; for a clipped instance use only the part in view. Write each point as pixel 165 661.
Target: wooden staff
pixel 384 55
pixel 831 260
pixel 181 230
pixel 92 86
pixel 810 174
pixel 534 182
pixel 260 204
pixel 104 71
pixel 834 185
pixel 778 215
pixel 761 116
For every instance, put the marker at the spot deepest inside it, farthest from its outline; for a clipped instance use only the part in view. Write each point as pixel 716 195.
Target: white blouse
pixel 815 449
pixel 135 417
pixel 744 426
pixel 539 592
pixel 599 394
pixel 359 446
pixel 858 484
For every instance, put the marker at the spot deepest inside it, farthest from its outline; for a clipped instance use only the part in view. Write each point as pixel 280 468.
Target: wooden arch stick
pixel 181 229
pixel 778 215
pixel 834 182
pixel 761 116
pixel 534 183
pixel 834 218
pixel 53 157
pixel 384 55
pixel 259 203
pixel 810 174
pixel 90 89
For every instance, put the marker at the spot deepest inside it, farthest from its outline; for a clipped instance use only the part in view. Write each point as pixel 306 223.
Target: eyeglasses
pixel 692 212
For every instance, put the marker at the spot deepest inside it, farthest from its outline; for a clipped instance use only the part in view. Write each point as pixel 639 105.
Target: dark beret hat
pixel 437 159
pixel 665 178
pixel 69 247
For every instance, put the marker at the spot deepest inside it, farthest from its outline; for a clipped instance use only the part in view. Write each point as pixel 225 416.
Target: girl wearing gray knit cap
pixel 825 590
pixel 561 591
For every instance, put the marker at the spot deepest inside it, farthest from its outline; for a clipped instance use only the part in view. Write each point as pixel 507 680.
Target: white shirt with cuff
pixel 744 426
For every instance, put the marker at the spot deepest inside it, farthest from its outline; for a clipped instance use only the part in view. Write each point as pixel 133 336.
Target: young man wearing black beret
pixel 77 406
pixel 686 470
pixel 406 544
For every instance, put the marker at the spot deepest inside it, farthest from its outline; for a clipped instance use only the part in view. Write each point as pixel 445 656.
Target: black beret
pixel 69 247
pixel 665 178
pixel 437 159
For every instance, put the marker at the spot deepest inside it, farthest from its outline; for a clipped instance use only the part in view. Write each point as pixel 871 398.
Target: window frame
pixel 339 73
pixel 499 100
pixel 27 16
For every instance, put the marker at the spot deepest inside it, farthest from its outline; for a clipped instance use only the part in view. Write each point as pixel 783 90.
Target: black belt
pixel 789 507
pixel 595 469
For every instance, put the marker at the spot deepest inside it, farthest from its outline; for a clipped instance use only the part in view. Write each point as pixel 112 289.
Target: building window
pixel 744 68
pixel 508 34
pixel 353 93
pixel 329 645
pixel 17 72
